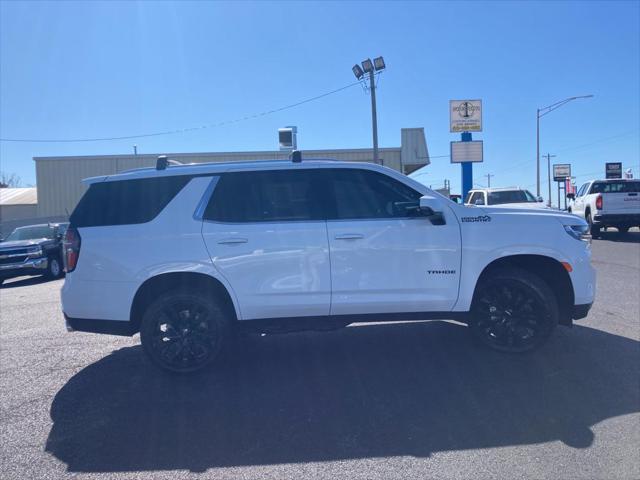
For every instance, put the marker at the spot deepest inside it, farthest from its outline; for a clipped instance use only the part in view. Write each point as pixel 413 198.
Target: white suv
pixel 187 254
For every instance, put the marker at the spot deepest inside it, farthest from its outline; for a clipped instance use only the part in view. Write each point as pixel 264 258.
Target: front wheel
pixel 54 268
pixel 183 331
pixel 513 311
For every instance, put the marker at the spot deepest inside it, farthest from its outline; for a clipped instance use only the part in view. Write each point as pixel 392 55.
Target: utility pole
pixel 489 175
pixel 549 157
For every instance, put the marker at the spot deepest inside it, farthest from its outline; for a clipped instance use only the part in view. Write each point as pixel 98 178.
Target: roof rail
pixel 163 162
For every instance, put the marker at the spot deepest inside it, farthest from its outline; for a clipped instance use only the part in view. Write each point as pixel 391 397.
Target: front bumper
pixel 31 266
pixel 614 219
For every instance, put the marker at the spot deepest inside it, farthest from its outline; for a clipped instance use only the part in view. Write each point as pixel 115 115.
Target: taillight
pixel 599 202
pixel 71 249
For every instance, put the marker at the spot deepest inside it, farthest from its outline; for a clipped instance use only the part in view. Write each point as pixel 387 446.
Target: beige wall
pixel 59 179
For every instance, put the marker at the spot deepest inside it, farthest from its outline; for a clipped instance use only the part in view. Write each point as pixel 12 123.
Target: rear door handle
pixel 349 236
pixel 232 241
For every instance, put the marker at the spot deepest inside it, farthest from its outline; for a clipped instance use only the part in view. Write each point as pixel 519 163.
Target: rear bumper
pixel 34 266
pixel 109 327
pixel 581 311
pixel 614 219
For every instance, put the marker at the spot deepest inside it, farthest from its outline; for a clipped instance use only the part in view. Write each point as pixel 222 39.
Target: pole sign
pixel 466 151
pixel 613 170
pixel 561 171
pixel 465 115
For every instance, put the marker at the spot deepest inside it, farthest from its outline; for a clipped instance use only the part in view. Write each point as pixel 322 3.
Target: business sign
pixel 465 115
pixel 561 171
pixel 613 170
pixel 466 151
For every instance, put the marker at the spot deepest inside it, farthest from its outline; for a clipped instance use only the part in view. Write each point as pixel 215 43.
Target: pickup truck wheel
pixel 513 311
pixel 54 268
pixel 183 332
pixel 593 230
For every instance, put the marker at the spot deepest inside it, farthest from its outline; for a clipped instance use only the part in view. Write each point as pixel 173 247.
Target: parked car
pixel 187 254
pixel 33 250
pixel 607 203
pixel 512 197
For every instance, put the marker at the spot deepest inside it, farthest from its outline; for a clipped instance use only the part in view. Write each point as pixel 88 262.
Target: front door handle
pixel 232 241
pixel 349 236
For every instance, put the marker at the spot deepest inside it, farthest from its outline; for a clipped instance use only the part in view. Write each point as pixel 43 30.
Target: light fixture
pixel 357 71
pixel 367 65
pixel 378 63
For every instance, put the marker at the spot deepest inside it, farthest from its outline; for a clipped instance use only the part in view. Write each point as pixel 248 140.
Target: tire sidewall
pixel 50 271
pixel 537 287
pixel 147 328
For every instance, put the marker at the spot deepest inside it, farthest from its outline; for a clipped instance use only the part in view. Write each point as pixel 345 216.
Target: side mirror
pixel 540 199
pixel 429 205
pixel 571 196
pixel 479 201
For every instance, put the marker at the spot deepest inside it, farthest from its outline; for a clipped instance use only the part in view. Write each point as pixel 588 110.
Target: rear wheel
pixel 513 311
pixel 184 332
pixel 593 229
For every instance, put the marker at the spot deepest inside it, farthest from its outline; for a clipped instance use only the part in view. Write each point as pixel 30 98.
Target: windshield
pixel 30 233
pixel 511 196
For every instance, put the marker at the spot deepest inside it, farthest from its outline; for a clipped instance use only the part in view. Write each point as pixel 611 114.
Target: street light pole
pixel 538 153
pixel 371 67
pixel 374 116
pixel 541 112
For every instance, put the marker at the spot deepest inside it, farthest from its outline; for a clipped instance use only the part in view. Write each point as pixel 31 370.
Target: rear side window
pixel 360 194
pixel 266 196
pixel 616 187
pixel 126 202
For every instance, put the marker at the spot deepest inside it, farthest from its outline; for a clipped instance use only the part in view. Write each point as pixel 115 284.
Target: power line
pixel 182 130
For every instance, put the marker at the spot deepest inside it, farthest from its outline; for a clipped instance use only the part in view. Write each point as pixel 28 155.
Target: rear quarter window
pixel 126 202
pixel 616 187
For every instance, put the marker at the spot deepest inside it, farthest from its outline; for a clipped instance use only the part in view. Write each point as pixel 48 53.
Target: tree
pixel 9 180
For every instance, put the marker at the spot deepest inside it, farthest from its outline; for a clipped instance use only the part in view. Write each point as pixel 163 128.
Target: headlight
pixel 579 232
pixel 35 252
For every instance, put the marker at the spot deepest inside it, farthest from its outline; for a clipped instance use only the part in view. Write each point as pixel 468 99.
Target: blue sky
pixel 83 70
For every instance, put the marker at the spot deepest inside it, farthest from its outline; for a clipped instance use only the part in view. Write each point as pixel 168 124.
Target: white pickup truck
pixel 608 203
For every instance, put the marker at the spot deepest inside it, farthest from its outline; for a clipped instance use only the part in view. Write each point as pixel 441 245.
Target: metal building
pixel 18 206
pixel 59 178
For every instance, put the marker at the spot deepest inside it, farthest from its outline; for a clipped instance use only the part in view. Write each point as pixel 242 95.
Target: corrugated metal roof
pixel 18 196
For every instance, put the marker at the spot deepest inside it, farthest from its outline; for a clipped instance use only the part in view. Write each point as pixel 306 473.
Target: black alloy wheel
pixel 183 332
pixel 513 311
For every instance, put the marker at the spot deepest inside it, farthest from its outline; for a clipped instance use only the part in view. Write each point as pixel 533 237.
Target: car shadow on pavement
pixel 367 391
pixel 24 282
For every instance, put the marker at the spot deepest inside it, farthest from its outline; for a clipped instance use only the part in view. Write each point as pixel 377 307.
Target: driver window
pixel 367 194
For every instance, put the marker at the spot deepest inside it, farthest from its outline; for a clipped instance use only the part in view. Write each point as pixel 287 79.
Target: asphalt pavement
pixel 383 401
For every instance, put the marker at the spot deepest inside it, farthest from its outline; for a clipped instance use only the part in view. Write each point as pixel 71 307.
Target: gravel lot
pixel 413 400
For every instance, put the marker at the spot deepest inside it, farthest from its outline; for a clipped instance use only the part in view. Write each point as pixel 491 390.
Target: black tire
pixel 594 230
pixel 54 268
pixel 623 229
pixel 513 311
pixel 184 331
